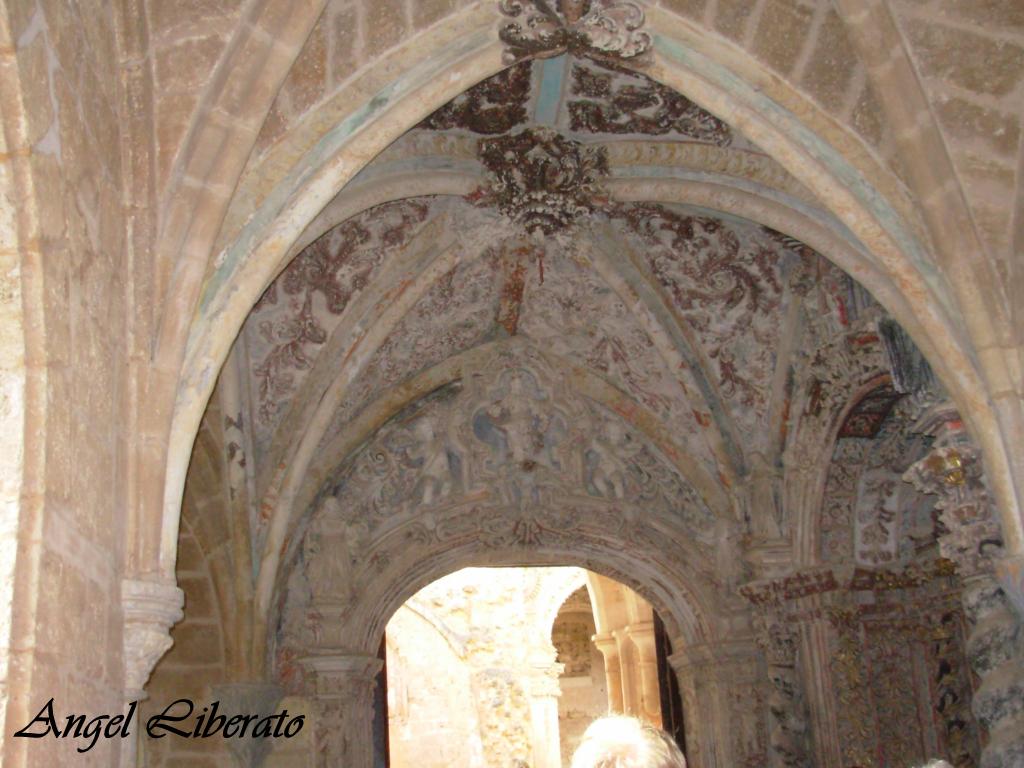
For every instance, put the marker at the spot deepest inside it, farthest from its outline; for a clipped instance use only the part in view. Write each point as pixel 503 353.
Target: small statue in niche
pixel 516 431
pixel 434 457
pixel 332 545
pixel 520 435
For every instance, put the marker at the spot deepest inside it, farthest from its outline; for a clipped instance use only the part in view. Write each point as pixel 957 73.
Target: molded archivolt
pixel 824 157
pixel 672 318
pixel 508 466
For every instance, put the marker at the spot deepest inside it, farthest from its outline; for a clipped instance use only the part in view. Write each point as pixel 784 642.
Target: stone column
pixel 816 672
pixel 255 698
pixel 787 720
pixel 628 673
pixel 612 673
pixel 150 609
pixel 544 693
pixel 343 689
pixel 642 635
pixel 973 541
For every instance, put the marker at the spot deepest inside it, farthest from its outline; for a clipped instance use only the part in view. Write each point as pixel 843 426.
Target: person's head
pixel 618 741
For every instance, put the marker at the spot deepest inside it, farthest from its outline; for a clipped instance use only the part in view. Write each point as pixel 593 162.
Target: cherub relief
pixel 606 461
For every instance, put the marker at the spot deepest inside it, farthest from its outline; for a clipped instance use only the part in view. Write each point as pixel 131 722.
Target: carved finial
pixel 599 29
pixel 542 180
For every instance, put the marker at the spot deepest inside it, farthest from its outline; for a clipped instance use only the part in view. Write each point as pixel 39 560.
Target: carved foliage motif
pixel 727 286
pixel 541 179
pixel 496 105
pixel 609 99
pixel 972 535
pixel 787 738
pixel 607 29
pixel 294 317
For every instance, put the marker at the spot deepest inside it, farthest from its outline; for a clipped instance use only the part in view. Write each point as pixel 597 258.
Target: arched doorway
pixel 487 666
pixel 606 377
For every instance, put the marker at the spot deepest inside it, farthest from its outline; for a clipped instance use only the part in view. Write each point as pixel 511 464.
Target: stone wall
pixel 65 274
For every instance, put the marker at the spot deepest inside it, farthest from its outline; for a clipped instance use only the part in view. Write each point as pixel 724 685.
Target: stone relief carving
pixel 610 99
pixel 602 29
pixel 541 179
pixel 787 737
pixel 296 314
pixel 496 105
pixel 510 457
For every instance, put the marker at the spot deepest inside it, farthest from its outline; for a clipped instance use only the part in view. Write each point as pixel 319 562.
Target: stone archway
pixel 773 125
pixel 510 467
pixel 878 223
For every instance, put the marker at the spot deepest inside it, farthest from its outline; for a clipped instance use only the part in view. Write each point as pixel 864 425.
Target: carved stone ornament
pixel 541 179
pixel 973 537
pixel 150 610
pixel 258 698
pixel 600 29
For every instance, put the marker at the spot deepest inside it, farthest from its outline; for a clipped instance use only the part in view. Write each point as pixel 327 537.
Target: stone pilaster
pixel 254 698
pixel 773 594
pixel 150 609
pixel 972 540
pixel 787 719
pixel 612 670
pixel 342 691
pixel 720 683
pixel 642 635
pixel 544 692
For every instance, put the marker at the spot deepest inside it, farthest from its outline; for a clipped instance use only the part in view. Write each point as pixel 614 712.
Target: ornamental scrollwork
pixel 542 180
pixel 599 29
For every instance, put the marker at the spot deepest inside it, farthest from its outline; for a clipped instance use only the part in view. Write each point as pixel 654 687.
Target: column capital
pixel 338 674
pixel 249 698
pixel 642 635
pixel 606 644
pixel 150 609
pixel 715 657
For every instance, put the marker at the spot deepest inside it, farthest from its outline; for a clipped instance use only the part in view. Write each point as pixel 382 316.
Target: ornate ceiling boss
pixel 600 29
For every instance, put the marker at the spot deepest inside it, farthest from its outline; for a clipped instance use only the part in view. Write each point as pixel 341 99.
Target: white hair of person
pixel 618 741
pixel 936 764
